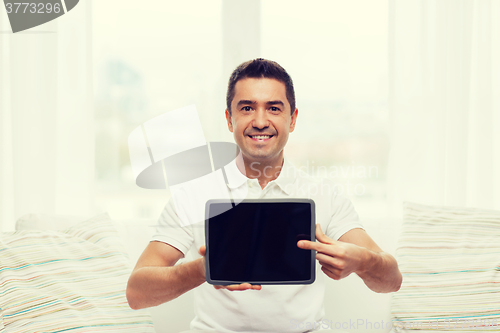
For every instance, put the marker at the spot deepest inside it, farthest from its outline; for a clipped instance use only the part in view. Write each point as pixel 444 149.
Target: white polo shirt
pixel 274 308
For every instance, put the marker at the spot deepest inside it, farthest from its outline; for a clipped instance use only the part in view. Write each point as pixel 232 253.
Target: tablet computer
pixel 255 241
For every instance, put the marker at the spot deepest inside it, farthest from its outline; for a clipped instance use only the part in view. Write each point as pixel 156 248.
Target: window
pixel 152 60
pixel 148 61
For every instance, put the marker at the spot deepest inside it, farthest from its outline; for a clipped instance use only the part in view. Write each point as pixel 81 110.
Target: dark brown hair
pixel 260 68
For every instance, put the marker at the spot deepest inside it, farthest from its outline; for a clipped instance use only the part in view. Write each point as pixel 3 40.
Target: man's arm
pixel 356 252
pixel 155 279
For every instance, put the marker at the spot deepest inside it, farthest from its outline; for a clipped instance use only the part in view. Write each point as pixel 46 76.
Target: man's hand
pixel 337 259
pixel 231 287
pixel 355 252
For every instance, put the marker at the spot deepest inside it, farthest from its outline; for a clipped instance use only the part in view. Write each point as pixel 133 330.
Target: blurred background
pixel 397 100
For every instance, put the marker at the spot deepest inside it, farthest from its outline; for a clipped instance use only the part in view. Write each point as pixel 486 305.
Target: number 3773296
pixel 33 8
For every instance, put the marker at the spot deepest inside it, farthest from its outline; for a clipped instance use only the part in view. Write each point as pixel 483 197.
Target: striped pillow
pixel 72 280
pixel 449 258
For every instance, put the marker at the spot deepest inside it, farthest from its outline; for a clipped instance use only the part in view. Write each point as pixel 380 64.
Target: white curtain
pixel 46 118
pixel 444 77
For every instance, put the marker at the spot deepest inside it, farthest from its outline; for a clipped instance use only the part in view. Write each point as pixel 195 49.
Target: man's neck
pixel 263 171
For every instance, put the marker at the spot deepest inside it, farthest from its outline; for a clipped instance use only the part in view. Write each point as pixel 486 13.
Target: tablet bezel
pixel 226 201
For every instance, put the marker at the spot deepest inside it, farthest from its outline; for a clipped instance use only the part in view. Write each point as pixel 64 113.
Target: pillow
pixel 46 221
pixel 134 234
pixel 72 280
pixel 449 258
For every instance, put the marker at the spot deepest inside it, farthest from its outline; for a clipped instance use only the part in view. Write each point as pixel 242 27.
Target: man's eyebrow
pixel 245 101
pixel 249 102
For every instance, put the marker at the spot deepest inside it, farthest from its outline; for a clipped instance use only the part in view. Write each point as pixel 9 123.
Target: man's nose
pixel 260 119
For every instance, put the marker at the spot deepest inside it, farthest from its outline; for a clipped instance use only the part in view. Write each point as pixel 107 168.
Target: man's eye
pixel 246 108
pixel 274 109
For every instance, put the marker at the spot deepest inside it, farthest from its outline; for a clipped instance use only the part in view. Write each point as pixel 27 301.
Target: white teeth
pixel 261 137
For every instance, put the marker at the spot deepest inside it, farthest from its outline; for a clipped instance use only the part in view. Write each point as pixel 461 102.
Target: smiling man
pixel 260 113
pixel 260 117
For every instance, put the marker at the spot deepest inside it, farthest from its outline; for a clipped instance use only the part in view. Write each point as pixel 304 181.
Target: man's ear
pixel 293 120
pixel 229 121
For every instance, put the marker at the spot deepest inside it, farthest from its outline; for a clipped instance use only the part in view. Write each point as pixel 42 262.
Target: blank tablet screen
pixel 256 241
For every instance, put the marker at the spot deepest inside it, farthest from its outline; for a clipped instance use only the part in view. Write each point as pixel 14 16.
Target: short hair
pixel 260 68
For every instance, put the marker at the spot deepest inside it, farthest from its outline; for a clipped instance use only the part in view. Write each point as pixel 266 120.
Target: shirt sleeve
pixel 171 231
pixel 343 217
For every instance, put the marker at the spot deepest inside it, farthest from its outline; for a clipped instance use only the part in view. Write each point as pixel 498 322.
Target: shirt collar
pixel 234 177
pixel 285 179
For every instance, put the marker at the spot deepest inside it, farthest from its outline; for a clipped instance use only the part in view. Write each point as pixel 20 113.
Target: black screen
pixel 256 241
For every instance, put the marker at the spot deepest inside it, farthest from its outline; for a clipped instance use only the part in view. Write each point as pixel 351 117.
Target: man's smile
pixel 261 137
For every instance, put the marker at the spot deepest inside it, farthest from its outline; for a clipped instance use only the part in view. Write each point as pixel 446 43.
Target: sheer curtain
pixel 46 118
pixel 444 99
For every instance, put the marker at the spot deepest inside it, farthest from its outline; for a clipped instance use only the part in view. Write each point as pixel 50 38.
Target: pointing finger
pixel 308 245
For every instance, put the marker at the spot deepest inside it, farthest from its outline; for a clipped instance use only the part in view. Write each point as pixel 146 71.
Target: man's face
pixel 261 119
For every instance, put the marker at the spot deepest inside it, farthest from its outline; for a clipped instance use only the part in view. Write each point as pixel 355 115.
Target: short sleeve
pixel 343 217
pixel 171 231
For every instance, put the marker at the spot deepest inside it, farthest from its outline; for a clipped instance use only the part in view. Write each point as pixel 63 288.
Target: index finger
pixel 319 247
pixel 308 245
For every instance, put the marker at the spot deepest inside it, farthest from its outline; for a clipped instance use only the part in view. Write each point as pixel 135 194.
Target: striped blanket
pixel 450 261
pixel 67 281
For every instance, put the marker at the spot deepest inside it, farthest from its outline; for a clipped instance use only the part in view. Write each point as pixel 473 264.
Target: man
pixel 260 113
